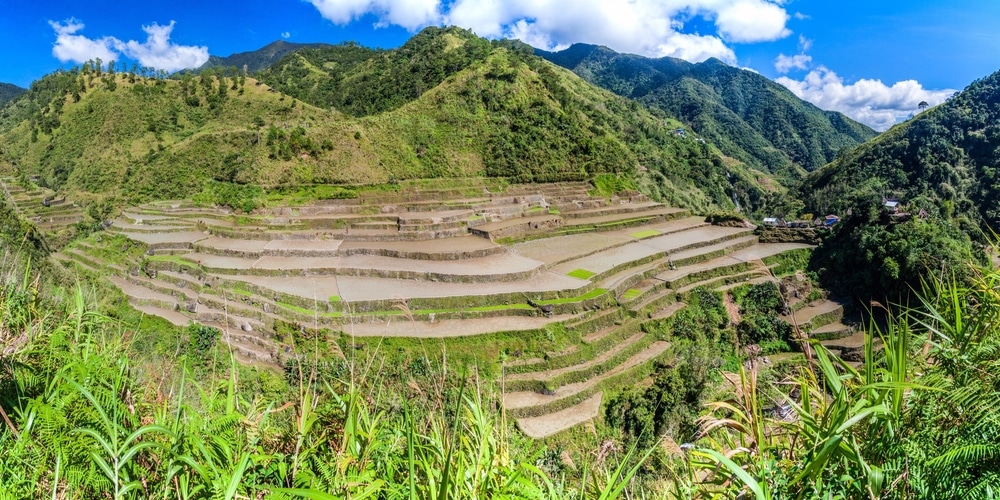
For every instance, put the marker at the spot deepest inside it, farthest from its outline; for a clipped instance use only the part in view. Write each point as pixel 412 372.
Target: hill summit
pixel 257 60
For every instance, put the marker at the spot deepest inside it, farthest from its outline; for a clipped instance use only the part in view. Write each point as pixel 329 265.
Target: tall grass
pixel 918 419
pixel 84 418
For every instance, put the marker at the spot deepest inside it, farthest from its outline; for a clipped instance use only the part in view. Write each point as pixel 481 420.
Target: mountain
pixel 945 159
pixel 360 81
pixel 9 92
pixel 748 116
pixel 943 169
pixel 446 104
pixel 259 59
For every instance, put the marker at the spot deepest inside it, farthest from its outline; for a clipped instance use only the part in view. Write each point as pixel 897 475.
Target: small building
pixel 680 133
pixel 799 223
pixel 771 221
pixel 892 205
pixel 830 220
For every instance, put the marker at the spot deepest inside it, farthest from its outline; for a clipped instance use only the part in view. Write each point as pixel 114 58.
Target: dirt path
pixel 140 292
pixel 553 423
pixel 174 317
pixel 525 399
pixel 806 314
pixel 355 288
pixel 401 327
pixel 604 356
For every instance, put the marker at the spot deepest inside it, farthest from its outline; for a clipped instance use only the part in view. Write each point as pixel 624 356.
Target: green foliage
pixel 361 81
pixel 917 420
pixel 730 219
pixel 87 420
pixel 895 256
pixel 201 339
pixel 243 197
pixel 580 274
pixel 668 407
pixel 608 185
pixel 257 60
pixel 446 104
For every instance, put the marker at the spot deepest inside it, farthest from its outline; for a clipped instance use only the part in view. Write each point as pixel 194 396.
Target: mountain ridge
pixel 259 59
pixel 749 116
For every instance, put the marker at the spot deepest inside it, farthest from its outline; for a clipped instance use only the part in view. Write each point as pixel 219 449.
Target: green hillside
pixel 748 116
pixel 473 108
pixel 260 59
pixel 9 92
pixel 941 166
pixel 945 159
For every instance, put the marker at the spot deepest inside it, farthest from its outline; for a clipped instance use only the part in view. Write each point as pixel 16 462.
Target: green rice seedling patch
pixel 582 274
pixel 645 234
pixel 593 294
pixel 631 293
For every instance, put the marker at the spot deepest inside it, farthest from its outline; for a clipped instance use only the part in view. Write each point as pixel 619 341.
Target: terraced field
pixel 49 211
pixel 447 263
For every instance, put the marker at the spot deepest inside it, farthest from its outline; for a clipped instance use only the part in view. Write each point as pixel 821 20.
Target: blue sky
pixel 874 60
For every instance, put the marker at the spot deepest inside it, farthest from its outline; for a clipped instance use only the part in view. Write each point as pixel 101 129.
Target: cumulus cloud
pixel 752 21
pixel 156 52
pixel 784 63
pixel 70 47
pixel 647 27
pixel 410 14
pixel 286 35
pixel 868 101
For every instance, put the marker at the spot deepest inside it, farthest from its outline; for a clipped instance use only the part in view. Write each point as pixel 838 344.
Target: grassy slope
pixel 507 114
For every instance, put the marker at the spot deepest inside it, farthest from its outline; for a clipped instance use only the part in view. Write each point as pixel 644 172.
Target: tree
pixel 923 105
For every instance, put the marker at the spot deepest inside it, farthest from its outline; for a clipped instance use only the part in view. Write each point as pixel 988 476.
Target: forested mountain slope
pixel 947 157
pixel 943 169
pixel 9 92
pixel 446 104
pixel 747 115
pixel 260 59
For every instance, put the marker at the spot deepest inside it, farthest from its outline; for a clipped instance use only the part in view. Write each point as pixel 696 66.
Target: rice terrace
pixel 500 267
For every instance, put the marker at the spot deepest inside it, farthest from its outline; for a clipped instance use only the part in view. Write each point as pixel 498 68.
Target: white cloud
pixel 286 35
pixel 156 52
pixel 70 47
pixel 804 44
pixel 410 14
pixel 784 63
pixel 647 27
pixel 752 21
pixel 868 101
